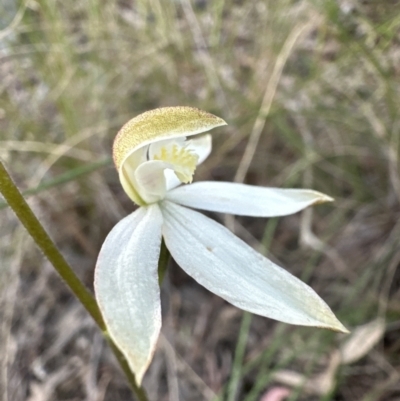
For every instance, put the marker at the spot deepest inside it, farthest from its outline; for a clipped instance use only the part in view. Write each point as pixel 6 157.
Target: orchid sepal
pixel 245 200
pixel 228 267
pixel 126 286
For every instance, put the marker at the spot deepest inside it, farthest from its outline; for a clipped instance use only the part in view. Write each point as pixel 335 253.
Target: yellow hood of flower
pixel 159 124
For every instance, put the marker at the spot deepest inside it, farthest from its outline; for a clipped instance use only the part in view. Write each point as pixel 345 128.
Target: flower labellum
pixel 155 153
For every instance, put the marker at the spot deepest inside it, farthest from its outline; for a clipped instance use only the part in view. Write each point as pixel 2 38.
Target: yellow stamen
pixel 183 160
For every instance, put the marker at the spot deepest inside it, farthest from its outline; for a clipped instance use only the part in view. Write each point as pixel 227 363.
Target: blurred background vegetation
pixel 311 92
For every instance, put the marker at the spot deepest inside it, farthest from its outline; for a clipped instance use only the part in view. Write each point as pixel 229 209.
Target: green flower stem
pixel 26 216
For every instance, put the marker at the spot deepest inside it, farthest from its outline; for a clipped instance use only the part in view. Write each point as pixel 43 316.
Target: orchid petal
pixel 202 146
pixel 150 180
pixel 127 289
pixel 155 148
pixel 172 180
pixel 245 200
pixel 127 174
pixel 228 267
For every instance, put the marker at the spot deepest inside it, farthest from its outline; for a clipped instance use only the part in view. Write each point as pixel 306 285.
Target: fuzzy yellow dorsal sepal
pixel 159 124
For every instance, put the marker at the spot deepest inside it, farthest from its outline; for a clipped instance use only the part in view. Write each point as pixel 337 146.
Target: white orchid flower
pixel 154 154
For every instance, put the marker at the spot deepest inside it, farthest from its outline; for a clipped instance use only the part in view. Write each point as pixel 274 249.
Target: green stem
pixel 26 216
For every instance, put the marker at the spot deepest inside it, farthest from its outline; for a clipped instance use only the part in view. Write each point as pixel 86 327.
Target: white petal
pixel 202 146
pixel 156 147
pixel 127 174
pixel 150 180
pixel 172 180
pixel 245 200
pixel 228 267
pixel 127 289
